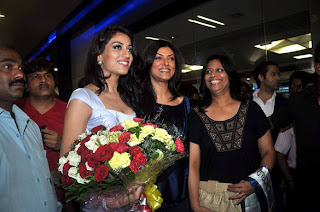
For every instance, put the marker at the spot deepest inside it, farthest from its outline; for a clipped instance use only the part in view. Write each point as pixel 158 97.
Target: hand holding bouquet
pixel 116 161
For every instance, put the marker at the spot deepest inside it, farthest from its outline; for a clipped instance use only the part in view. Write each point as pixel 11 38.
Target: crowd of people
pixel 248 150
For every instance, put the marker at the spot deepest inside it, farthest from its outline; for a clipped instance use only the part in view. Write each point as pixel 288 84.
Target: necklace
pixel 221 107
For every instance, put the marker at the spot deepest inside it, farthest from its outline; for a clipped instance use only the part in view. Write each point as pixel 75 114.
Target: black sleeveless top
pixel 173 182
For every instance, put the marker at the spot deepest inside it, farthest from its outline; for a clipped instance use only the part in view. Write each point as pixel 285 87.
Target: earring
pixel 99 62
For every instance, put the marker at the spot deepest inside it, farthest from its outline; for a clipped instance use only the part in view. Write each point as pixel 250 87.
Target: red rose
pixel 133 167
pixel 85 155
pixel 101 173
pixel 138 119
pixel 116 128
pixel 179 145
pixel 154 126
pixel 82 149
pixel 134 150
pixel 104 153
pixel 86 139
pixel 124 137
pixel 140 159
pixel 83 170
pixel 66 168
pixel 66 180
pixel 93 163
pixel 119 147
pixel 98 128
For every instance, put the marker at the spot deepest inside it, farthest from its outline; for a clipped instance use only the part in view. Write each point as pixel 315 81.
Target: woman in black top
pixel 230 137
pixel 162 104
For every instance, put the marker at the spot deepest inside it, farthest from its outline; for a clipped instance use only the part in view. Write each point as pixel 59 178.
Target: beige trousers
pixel 214 195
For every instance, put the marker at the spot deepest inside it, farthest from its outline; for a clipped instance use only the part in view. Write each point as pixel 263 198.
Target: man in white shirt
pixel 25 180
pixel 267 76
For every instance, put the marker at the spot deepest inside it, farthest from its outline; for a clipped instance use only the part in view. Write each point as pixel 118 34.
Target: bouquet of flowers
pixel 105 162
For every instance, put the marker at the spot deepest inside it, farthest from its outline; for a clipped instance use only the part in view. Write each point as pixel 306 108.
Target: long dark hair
pixel 127 85
pixel 148 96
pixel 233 79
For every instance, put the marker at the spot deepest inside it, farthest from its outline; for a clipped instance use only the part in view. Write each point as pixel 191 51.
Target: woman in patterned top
pixel 229 140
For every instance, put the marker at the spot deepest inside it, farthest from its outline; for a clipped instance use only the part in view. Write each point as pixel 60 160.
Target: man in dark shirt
pixel 304 111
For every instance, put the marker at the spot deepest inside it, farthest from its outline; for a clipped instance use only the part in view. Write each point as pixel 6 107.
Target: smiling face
pixel 164 65
pixel 216 78
pixel 12 79
pixel 40 84
pixel 117 55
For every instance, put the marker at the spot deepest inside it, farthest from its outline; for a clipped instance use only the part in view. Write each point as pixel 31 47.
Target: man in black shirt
pixel 304 111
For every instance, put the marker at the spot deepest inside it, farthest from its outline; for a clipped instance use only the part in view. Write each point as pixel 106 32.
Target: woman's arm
pixel 194 178
pixel 267 152
pixel 75 123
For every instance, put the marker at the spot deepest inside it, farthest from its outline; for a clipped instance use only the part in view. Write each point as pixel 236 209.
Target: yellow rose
pixel 128 123
pixel 147 130
pixel 134 141
pixel 160 135
pixel 168 141
pixel 120 161
pixel 113 137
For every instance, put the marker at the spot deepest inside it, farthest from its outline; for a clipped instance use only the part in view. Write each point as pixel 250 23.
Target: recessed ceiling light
pixel 152 38
pixel 55 69
pixel 211 20
pixel 269 45
pixel 288 49
pixel 195 67
pixel 201 23
pixel 185 70
pixel 2 16
pixel 303 56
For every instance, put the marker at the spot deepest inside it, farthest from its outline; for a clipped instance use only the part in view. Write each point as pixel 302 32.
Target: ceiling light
pixel 310 44
pixel 195 67
pixel 288 49
pixel 269 45
pixel 203 24
pixel 185 70
pixel 211 20
pixel 303 56
pixel 55 69
pixel 152 38
pixel 2 16
pixel 248 78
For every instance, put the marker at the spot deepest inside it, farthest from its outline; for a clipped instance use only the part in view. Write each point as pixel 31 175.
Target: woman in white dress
pixel 108 95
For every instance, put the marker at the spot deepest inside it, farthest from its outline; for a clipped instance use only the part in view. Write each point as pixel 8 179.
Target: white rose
pixel 62 161
pixel 77 147
pixel 81 180
pixel 103 140
pixel 89 168
pixel 74 158
pixel 92 144
pixel 73 171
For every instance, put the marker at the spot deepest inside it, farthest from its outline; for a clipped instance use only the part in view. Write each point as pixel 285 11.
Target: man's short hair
pixel 37 65
pixel 262 69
